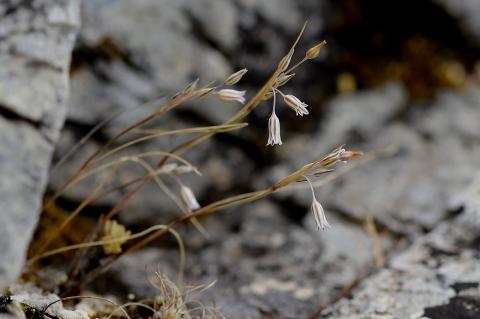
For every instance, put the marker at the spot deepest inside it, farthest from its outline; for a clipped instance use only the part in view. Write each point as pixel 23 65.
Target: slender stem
pixel 311 186
pixel 274 100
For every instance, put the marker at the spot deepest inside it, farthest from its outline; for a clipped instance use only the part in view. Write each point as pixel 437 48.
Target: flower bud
pixel 314 51
pixel 235 77
pixel 285 62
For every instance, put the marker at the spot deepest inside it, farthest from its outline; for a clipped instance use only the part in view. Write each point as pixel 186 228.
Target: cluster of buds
pixel 285 74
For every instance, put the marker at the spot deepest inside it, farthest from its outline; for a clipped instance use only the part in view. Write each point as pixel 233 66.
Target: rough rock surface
pixel 437 277
pixel 36 38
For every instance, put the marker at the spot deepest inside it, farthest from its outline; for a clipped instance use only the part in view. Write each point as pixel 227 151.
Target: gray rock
pixel 467 12
pixel 436 277
pixel 364 113
pixel 36 41
pixel 218 20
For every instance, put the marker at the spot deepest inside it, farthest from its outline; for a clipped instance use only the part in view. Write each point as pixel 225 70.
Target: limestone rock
pixel 36 42
pixel 437 277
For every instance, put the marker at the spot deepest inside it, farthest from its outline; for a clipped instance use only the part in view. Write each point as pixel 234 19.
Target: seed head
pixel 274 130
pixel 235 77
pixel 314 51
pixel 295 104
pixel 319 215
pixel 232 95
pixel 189 198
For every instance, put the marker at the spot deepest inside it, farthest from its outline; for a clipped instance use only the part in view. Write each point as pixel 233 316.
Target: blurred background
pixel 395 74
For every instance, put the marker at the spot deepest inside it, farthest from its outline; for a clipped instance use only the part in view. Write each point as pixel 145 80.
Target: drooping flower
pixel 295 104
pixel 189 198
pixel 274 137
pixel 319 215
pixel 232 95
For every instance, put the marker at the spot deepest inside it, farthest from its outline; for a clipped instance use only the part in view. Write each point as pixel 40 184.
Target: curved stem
pixel 311 186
